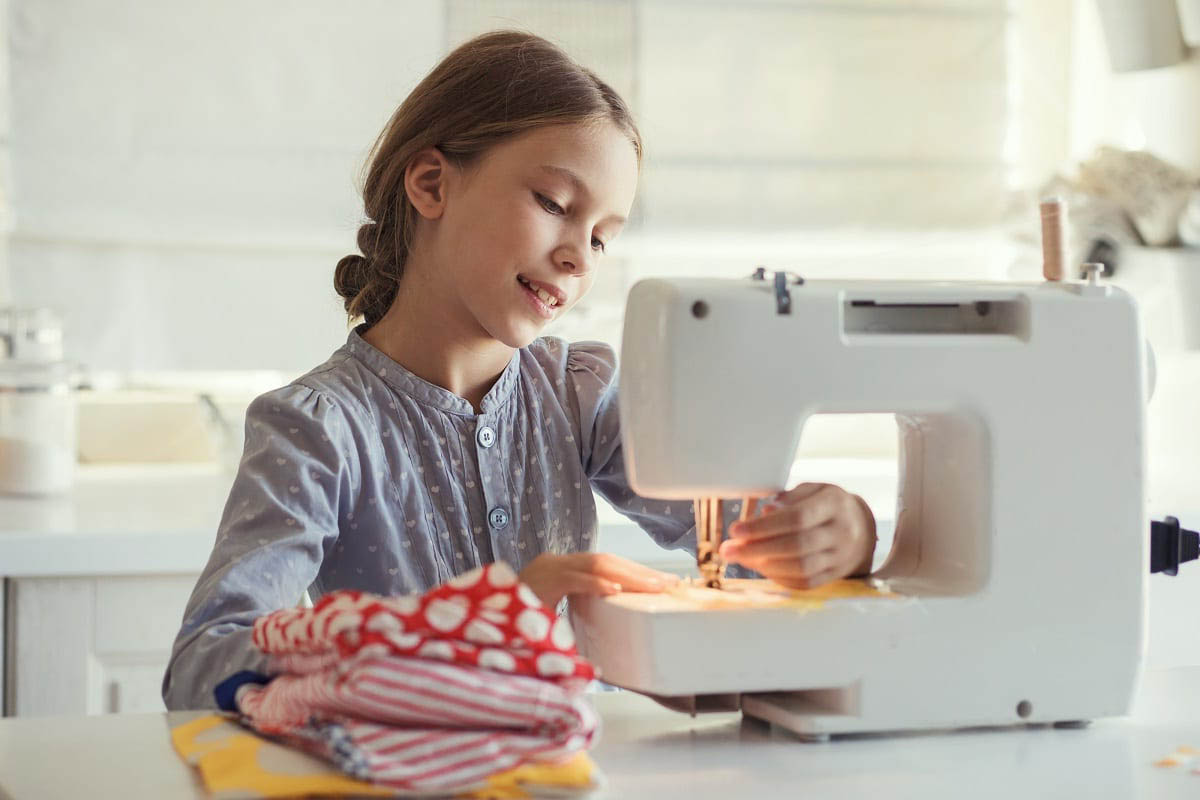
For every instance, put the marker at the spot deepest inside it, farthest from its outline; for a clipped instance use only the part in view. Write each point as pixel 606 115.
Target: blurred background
pixel 178 180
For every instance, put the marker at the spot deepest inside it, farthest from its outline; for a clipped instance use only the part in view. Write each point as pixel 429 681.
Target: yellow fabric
pixel 759 593
pixel 230 762
pixel 578 773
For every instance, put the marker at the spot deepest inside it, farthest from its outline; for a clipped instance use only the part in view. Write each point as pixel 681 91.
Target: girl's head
pixel 507 169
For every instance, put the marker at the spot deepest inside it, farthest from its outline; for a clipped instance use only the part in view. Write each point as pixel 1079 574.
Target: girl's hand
pixel 813 534
pixel 552 577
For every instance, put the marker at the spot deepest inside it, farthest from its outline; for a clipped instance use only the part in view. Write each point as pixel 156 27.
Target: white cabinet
pixel 95 581
pixel 90 645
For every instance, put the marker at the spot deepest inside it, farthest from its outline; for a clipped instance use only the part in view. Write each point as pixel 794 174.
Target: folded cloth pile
pixel 427 694
pixel 235 763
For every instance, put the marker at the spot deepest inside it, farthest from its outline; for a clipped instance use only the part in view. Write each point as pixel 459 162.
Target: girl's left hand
pixel 810 535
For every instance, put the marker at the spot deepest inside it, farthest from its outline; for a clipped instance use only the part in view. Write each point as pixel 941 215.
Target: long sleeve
pixel 279 522
pixel 592 368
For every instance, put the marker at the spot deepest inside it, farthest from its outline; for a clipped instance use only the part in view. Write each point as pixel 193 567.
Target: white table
pixel 649 752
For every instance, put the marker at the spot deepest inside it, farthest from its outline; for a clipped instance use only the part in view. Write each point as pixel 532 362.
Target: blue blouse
pixel 360 475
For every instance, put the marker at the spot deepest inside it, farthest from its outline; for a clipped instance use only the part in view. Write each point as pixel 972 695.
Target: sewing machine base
pixel 863 664
pixel 792 712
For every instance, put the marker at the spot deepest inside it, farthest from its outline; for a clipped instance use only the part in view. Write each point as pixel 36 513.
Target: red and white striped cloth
pixel 426 694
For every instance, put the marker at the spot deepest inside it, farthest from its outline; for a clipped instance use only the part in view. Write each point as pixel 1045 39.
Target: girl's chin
pixel 518 335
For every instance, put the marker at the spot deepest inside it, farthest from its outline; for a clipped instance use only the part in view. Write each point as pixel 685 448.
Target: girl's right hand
pixel 552 577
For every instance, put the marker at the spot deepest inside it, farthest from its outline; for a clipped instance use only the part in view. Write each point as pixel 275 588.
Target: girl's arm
pixel 279 521
pixel 592 366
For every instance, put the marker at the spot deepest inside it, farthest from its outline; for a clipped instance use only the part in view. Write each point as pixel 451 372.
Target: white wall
pixel 1156 109
pixel 183 175
pixel 5 137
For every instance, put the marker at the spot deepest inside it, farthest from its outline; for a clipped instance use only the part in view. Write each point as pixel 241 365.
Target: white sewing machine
pixel 1020 549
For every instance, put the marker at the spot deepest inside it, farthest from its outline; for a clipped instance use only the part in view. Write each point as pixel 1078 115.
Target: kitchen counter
pixel 126 520
pixel 648 752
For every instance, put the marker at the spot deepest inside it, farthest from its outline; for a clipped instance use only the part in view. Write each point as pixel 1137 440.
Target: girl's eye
pixel 554 208
pixel 548 204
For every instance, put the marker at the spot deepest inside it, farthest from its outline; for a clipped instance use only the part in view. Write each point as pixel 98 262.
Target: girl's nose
pixel 573 259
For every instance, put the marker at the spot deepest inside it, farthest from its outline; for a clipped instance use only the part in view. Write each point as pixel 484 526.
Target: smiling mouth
pixel 550 300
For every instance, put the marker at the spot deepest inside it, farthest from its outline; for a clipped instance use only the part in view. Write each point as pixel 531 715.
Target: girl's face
pixel 524 228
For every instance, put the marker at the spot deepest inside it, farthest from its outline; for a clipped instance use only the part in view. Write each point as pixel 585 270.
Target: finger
pixel 792 544
pixel 630 574
pixel 809 511
pixel 623 569
pixel 815 509
pixel 571 582
pixel 820 579
pixel 801 491
pixel 800 568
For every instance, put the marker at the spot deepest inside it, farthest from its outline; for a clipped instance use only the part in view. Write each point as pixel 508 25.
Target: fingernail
pixel 616 587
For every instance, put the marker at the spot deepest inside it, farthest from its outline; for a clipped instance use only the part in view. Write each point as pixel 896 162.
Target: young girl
pixel 445 434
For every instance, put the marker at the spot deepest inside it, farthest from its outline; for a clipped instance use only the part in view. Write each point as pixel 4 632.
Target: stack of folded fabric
pixel 425 695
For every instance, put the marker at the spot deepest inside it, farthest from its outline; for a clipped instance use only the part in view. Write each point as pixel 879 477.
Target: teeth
pixel 545 296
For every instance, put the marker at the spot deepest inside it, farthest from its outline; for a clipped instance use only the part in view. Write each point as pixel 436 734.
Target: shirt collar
pixel 401 379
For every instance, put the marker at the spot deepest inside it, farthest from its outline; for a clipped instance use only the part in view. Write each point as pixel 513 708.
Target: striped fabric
pixel 419 725
pixel 364 688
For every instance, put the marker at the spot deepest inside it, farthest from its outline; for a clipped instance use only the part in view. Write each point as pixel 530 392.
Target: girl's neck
pixel 432 336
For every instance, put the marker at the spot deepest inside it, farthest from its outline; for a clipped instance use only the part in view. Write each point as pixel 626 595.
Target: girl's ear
pixel 425 182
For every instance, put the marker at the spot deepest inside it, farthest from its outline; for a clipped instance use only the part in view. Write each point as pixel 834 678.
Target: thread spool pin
pixel 1092 270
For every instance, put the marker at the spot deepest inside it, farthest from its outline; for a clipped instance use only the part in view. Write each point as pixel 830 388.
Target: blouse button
pixel 498 517
pixel 486 436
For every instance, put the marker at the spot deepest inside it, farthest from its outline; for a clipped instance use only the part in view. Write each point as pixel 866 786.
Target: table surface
pixel 649 752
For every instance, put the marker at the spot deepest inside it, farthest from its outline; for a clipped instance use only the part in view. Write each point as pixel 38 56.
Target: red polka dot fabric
pixel 484 618
pixel 425 694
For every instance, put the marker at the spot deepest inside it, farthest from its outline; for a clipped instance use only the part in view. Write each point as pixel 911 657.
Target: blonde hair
pixel 488 89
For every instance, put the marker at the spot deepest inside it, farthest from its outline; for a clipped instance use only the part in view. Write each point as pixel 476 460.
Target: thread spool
pixel 1054 240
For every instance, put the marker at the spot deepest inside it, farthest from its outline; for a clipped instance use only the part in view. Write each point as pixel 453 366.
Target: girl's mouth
pixel 543 302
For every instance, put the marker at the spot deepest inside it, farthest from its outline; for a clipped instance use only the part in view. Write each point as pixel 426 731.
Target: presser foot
pixel 710 529
pixel 711 576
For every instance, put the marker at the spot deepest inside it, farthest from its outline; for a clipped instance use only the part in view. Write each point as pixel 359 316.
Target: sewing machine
pixel 1018 567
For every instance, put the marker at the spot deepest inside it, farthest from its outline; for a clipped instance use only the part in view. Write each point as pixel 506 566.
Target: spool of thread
pixel 1054 240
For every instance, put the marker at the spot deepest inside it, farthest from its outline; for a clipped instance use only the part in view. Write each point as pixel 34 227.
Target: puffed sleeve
pixel 281 518
pixel 592 370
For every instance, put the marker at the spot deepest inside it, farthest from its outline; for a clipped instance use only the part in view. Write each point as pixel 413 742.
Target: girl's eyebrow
pixel 579 185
